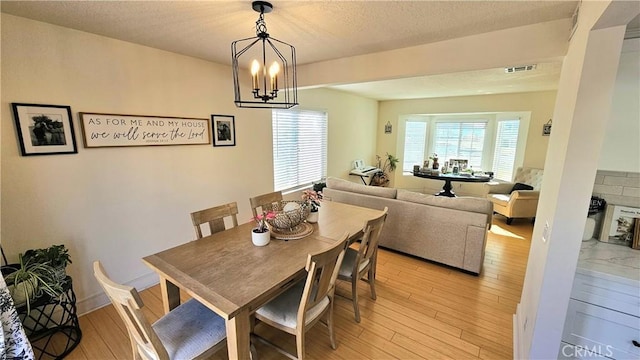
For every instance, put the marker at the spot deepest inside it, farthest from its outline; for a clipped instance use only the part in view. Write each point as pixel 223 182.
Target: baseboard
pixel 97 301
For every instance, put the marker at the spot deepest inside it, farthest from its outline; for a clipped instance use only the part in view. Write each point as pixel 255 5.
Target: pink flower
pixel 261 220
pixel 312 198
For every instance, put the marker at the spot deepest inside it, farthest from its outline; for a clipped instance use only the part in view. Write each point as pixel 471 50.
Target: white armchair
pixel 516 203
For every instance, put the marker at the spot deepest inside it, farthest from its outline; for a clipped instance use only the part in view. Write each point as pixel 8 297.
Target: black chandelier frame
pixel 284 97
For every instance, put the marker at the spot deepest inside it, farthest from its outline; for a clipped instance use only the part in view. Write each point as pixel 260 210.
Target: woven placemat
pixel 298 232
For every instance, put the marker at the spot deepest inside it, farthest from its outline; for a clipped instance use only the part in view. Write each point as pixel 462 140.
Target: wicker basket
pixel 288 220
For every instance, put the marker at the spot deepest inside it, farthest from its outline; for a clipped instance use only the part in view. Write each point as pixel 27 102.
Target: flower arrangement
pixel 261 221
pixel 312 198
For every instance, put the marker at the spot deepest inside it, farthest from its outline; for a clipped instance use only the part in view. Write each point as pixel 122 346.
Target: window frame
pixel 299 184
pixel 491 118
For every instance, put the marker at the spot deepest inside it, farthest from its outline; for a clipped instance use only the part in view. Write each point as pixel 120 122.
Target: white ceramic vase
pixel 260 238
pixel 313 217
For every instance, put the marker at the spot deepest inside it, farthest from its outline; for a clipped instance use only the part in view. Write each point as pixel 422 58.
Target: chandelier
pixel 268 63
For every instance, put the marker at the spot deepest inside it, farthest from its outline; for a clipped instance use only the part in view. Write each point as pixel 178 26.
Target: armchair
pixel 516 203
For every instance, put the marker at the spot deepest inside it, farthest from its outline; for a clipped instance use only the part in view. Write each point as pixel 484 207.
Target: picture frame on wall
pixel 223 129
pixel 44 129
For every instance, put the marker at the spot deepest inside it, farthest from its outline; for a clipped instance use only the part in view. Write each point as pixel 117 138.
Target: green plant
pixel 389 164
pixel 57 256
pixel 32 279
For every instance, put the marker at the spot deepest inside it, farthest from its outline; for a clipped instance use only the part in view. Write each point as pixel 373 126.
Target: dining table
pixel 233 277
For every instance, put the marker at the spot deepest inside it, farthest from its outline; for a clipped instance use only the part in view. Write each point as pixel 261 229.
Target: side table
pixel 52 324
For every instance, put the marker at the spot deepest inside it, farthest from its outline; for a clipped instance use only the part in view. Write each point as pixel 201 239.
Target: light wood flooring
pixel 423 311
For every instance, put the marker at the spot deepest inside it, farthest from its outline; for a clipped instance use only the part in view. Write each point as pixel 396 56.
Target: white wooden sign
pixel 104 130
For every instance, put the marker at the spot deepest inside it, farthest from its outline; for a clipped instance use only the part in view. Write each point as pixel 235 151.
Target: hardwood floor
pixel 423 311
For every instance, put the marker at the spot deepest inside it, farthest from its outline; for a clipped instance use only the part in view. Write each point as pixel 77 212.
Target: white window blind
pixel 505 151
pixel 414 144
pixel 299 147
pixel 460 140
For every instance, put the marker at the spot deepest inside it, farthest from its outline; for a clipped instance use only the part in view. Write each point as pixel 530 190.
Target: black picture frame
pixel 223 130
pixel 44 129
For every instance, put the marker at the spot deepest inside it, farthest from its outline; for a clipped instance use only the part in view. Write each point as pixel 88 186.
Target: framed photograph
pixel 44 129
pixel 223 128
pixel 618 225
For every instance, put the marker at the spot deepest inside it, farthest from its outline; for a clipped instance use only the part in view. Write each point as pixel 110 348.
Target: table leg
pixel 170 295
pixel 446 189
pixel 238 329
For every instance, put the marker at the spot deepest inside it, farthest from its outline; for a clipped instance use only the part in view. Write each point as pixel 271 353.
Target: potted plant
pixel 312 198
pixel 56 256
pixel 30 279
pixel 260 235
pixel 389 164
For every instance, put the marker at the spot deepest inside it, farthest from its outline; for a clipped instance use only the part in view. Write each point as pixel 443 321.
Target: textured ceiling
pixel 320 30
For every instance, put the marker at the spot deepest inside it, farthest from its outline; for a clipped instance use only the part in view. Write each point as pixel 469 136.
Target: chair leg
pixel 372 282
pixel 300 345
pixel 354 294
pixel 509 221
pixel 332 337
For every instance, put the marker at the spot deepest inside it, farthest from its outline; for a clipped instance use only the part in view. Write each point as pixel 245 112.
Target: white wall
pixel 580 117
pixel 540 104
pixel 121 204
pixel 621 144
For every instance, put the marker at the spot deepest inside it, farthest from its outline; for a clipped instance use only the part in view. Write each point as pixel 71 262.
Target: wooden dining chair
pixel 190 331
pixel 215 218
pixel 265 202
pixel 361 262
pixel 300 307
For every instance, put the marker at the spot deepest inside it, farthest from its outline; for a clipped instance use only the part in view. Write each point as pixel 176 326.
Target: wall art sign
pixel 44 129
pixel 106 130
pixel 224 130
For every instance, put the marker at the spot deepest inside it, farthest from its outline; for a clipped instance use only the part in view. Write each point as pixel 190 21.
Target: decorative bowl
pixel 288 215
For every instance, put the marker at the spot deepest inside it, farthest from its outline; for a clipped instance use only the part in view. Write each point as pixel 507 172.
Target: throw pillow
pixel 520 186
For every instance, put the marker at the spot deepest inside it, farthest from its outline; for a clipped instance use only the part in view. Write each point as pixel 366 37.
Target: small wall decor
pixel 388 128
pixel 44 129
pixel 546 128
pixel 224 130
pixel 115 130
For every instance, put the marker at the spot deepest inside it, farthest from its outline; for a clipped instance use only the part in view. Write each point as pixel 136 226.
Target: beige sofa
pixel 451 231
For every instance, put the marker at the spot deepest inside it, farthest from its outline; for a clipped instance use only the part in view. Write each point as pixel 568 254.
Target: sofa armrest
pixel 493 187
pixel 525 195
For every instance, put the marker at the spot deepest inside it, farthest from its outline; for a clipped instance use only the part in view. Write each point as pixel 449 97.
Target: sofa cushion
pixel 472 204
pixel 344 185
pixel 520 186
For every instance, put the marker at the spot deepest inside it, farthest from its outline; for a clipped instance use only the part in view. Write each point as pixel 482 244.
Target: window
pixel 414 144
pixel 490 141
pixel 460 140
pixel 299 147
pixel 505 151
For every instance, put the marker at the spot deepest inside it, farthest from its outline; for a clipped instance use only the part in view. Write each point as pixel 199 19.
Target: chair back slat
pixel 214 217
pixel 265 202
pixel 128 304
pixel 322 271
pixel 369 243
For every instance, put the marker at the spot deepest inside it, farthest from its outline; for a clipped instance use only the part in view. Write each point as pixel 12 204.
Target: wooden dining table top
pixel 227 273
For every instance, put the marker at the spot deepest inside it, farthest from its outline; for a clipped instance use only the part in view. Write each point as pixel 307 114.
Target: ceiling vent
pixel 520 68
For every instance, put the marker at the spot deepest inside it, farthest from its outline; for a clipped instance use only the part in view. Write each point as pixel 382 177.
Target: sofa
pixel 519 201
pixel 450 231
